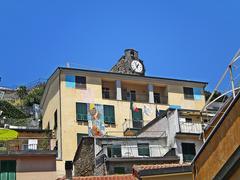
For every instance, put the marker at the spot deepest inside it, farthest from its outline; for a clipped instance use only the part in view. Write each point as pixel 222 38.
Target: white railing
pixel 187 127
pixel 134 151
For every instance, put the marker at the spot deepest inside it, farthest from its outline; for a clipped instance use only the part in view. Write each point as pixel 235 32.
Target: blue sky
pixel 176 39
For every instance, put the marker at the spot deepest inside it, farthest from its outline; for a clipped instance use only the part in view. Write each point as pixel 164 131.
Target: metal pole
pixel 232 81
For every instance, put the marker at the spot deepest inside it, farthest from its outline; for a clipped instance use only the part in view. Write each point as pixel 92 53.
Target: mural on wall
pixel 96 126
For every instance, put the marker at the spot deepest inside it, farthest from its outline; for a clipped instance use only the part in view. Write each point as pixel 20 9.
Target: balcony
pixel 189 127
pixel 136 152
pixel 24 145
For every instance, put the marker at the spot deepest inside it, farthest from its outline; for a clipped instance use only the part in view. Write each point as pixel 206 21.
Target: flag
pixel 133 107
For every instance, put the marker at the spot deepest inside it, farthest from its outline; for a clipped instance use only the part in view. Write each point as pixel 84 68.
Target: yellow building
pixel 72 95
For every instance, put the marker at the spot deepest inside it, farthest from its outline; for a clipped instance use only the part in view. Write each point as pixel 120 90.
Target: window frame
pixel 145 146
pixel 106 93
pixel 157 101
pixel 85 116
pixel 55 119
pixel 188 157
pixel 80 82
pixel 188 93
pixel 105 112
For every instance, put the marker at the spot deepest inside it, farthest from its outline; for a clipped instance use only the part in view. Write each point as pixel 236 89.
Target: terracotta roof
pixel 159 166
pixel 112 177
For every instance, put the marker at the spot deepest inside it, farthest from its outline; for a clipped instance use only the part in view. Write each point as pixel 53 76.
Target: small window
pixel 188 150
pixel 157 98
pixel 188 93
pixel 119 170
pixel 81 111
pixel 80 82
pixel 109 114
pixel 188 120
pixel 105 93
pixel 55 119
pixel 114 150
pixel 79 137
pixel 133 95
pixel 143 149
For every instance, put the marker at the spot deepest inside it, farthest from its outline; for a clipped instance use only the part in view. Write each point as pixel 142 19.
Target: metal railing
pixel 136 124
pixel 134 151
pixel 137 97
pixel 19 145
pixel 188 127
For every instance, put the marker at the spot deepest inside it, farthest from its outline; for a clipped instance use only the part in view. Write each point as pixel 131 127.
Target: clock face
pixel 137 66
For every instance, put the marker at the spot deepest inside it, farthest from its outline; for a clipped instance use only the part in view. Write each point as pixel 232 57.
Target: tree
pixel 22 92
pixel 34 95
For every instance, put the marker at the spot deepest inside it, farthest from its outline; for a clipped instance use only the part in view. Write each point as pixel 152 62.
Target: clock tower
pixel 129 63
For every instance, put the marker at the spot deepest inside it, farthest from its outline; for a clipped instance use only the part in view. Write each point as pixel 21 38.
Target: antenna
pixel 68 65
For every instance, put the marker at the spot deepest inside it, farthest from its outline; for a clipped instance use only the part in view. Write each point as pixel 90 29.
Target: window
pixel 114 150
pixel 105 93
pixel 188 150
pixel 133 95
pixel 137 118
pixel 109 114
pixel 81 111
pixel 119 170
pixel 156 97
pixel 55 119
pixel 188 120
pixel 80 82
pixel 79 137
pixel 143 149
pixel 188 93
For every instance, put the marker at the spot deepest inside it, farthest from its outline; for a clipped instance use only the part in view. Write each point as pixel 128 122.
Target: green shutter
pixel 143 149
pixel 8 170
pixel 119 170
pixel 137 115
pixel 109 114
pixel 81 111
pixel 137 119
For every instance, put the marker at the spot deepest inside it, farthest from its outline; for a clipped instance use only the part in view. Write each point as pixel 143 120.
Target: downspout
pixel 60 102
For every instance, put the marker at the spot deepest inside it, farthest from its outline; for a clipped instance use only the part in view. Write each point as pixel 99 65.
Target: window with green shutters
pixel 81 112
pixel 8 170
pixel 119 170
pixel 109 114
pixel 143 149
pixel 137 118
pixel 114 150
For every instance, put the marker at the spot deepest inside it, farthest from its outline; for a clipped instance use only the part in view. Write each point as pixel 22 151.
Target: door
pixel 188 150
pixel 8 170
pixel 137 119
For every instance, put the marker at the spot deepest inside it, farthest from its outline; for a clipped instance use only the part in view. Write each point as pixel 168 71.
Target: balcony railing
pixel 136 97
pixel 134 151
pixel 188 127
pixel 135 124
pixel 25 145
pixel 110 94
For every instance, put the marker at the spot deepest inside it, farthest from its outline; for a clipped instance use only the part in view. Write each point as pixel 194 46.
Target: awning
pixel 7 134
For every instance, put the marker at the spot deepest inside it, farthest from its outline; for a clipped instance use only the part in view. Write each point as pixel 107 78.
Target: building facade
pixel 30 156
pixel 219 157
pixel 121 100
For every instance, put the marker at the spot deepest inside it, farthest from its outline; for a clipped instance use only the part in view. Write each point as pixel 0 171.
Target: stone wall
pixel 85 158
